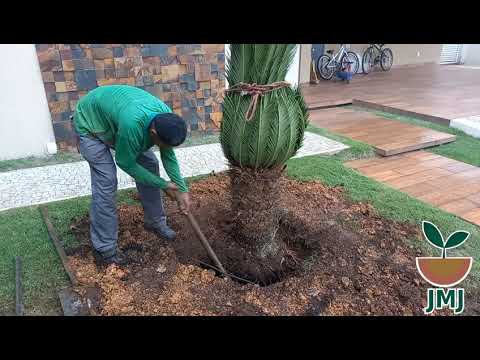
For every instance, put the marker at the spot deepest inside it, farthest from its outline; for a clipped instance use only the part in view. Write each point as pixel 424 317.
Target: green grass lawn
pixel 23 232
pixel 33 161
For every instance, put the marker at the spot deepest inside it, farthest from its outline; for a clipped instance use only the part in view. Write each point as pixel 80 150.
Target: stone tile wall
pixel 187 77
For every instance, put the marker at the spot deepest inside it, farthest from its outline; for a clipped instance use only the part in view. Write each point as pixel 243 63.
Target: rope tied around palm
pixel 256 91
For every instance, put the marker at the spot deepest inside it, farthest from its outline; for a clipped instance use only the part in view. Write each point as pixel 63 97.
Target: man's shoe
pixel 117 257
pixel 161 229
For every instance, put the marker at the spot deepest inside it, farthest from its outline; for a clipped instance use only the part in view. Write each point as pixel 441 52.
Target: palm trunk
pixel 256 210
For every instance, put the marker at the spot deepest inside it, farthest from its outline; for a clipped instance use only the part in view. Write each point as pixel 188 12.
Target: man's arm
pixel 170 164
pixel 128 148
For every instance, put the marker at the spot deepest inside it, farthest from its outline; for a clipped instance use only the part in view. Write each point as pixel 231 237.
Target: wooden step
pixel 387 137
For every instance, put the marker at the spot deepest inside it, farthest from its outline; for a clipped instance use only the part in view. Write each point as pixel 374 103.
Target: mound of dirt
pixel 343 259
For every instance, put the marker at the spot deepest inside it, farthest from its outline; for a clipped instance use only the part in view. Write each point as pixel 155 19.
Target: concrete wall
pixel 305 63
pixel 227 54
pixel 471 54
pixel 293 73
pixel 408 54
pixel 25 122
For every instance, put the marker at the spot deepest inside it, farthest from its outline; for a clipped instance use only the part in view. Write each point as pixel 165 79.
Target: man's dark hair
pixel 170 128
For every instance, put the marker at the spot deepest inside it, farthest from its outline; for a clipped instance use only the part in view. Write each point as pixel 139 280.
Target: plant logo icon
pixel 444 271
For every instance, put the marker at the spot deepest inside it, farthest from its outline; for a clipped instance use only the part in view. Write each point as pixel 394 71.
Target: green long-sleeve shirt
pixel 120 115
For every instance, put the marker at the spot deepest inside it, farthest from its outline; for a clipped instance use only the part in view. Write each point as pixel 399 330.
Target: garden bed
pixel 343 259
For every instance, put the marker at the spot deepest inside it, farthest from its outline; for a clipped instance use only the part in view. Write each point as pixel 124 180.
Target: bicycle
pixel 377 54
pixel 330 63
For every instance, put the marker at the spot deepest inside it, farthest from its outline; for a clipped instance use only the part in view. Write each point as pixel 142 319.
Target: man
pixel 130 121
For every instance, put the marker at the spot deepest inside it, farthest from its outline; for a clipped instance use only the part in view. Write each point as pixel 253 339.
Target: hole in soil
pixel 240 263
pixel 234 277
pixel 244 279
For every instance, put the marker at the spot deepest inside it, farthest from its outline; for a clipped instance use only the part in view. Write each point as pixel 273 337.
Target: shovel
pixel 190 111
pixel 76 300
pixel 203 239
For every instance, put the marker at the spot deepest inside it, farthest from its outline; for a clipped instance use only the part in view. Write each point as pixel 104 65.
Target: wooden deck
pixel 388 137
pixel 442 182
pixel 436 93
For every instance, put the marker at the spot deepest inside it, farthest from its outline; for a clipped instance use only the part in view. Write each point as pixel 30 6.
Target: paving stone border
pixel 45 184
pixel 469 125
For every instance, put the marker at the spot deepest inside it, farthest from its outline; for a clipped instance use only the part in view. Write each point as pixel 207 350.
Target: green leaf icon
pixel 433 234
pixel 456 239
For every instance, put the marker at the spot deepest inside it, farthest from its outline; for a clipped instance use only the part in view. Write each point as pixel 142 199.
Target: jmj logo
pixel 439 298
pixel 444 272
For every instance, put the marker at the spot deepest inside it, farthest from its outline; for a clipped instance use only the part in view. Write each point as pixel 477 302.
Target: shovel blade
pixel 75 304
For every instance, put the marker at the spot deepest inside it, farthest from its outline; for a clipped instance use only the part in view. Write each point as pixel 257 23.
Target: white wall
pixel 25 122
pixel 407 54
pixel 471 54
pixel 305 63
pixel 227 53
pixel 293 73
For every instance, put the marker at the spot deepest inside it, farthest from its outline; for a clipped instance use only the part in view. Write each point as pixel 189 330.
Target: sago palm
pixel 259 144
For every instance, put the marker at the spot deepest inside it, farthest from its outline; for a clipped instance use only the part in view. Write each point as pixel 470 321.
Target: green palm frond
pixel 239 63
pixel 303 113
pixel 276 131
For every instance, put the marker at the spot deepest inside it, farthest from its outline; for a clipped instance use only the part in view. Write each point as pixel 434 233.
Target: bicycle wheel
pixel 386 59
pixel 353 59
pixel 368 59
pixel 326 73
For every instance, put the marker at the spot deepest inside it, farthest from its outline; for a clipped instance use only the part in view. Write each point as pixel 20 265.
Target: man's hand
pixel 171 190
pixel 183 200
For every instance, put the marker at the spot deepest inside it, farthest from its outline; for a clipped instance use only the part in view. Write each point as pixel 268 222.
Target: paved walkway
pixel 442 182
pixel 58 182
pixel 469 125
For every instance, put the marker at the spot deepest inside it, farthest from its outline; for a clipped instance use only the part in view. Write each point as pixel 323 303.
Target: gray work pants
pixel 103 209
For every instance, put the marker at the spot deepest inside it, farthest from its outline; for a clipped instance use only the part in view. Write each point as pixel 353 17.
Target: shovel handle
pixel 205 243
pixel 203 239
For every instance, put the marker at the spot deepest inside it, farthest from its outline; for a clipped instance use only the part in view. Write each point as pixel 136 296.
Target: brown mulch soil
pixel 349 260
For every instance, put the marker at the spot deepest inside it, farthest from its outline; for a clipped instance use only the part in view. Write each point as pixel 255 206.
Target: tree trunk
pixel 257 210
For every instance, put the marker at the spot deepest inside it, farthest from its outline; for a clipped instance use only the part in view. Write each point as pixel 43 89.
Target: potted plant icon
pixel 443 271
